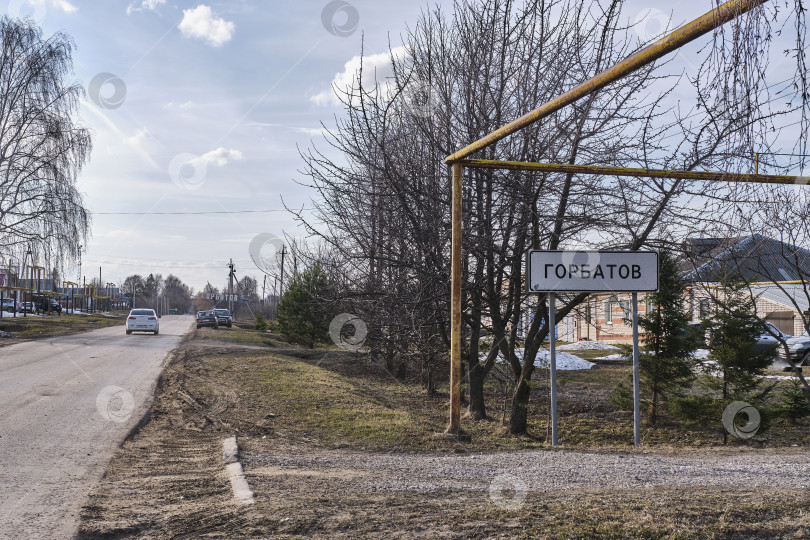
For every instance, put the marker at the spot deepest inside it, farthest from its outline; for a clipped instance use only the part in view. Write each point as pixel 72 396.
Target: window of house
pixel 704 308
pixel 626 313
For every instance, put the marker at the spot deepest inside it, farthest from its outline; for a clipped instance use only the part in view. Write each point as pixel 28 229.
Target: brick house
pixel 778 275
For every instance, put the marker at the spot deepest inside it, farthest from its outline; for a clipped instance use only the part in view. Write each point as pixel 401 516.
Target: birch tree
pixel 42 144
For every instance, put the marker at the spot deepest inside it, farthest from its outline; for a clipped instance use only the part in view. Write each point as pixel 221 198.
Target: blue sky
pixel 228 86
pixel 218 96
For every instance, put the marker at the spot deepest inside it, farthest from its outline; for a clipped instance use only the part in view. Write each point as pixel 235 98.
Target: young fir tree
pixel 303 314
pixel 738 363
pixel 734 332
pixel 794 404
pixel 665 367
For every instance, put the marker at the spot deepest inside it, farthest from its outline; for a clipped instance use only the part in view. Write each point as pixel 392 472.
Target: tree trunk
pixel 427 378
pixel 462 392
pixel 477 408
pixel 520 408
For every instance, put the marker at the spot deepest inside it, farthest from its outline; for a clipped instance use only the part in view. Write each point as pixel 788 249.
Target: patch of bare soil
pixel 168 480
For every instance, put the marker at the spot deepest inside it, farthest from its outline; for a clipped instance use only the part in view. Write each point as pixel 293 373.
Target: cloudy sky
pixel 201 107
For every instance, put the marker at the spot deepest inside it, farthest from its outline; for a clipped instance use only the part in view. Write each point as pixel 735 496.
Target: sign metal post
pixel 591 271
pixel 552 365
pixel 636 392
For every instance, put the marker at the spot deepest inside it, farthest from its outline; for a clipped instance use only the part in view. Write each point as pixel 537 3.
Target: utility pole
pixel 25 269
pixel 230 286
pixel 275 299
pixel 264 286
pixel 281 285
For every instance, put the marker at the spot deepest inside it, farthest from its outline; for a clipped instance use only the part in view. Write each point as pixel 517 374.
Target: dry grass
pixel 165 482
pixel 25 328
pixel 334 399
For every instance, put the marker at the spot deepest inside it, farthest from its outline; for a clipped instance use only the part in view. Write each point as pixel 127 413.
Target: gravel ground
pixel 547 471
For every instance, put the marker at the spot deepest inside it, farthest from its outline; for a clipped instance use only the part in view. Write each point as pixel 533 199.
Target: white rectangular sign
pixel 591 271
pixel 226 297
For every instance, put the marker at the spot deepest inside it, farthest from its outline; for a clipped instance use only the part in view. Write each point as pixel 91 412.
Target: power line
pixel 157 265
pixel 189 213
pixel 131 258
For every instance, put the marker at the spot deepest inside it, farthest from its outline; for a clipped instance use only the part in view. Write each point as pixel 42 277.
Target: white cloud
pixel 376 69
pixel 312 132
pixel 187 105
pixel 64 5
pixel 138 139
pixel 142 5
pixel 136 142
pixel 201 23
pixel 219 157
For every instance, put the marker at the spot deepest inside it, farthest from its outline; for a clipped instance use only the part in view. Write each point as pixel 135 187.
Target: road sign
pixel 572 271
pixel 225 297
pixel 591 271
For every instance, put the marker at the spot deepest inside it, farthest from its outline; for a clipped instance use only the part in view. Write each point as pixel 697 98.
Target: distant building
pixel 778 274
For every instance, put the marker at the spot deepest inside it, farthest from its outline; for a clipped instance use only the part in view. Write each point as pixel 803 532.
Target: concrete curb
pixel 239 485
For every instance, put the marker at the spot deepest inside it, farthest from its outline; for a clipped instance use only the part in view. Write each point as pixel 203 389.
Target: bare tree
pixel 384 206
pixel 42 145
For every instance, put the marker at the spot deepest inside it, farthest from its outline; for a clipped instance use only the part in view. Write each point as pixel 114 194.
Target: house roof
pixel 793 295
pixel 753 258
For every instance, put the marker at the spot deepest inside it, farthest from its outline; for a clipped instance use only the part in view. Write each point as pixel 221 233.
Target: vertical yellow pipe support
pixel 455 303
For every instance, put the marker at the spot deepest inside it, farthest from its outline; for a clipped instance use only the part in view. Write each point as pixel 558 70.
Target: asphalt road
pixel 65 405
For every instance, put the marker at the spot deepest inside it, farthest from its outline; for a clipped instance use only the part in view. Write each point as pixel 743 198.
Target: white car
pixel 143 320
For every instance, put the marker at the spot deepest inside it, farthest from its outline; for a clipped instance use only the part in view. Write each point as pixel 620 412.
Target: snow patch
pixel 614 357
pixel 565 361
pixel 587 345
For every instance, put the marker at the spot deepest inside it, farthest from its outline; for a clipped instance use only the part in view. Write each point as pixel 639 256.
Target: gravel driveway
pixel 541 471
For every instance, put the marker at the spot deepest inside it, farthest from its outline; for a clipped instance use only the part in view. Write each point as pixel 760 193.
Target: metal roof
pixel 792 295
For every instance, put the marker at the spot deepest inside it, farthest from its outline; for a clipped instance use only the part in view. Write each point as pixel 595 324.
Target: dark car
pixel 42 304
pixel 207 318
pixel 224 317
pixel 798 347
